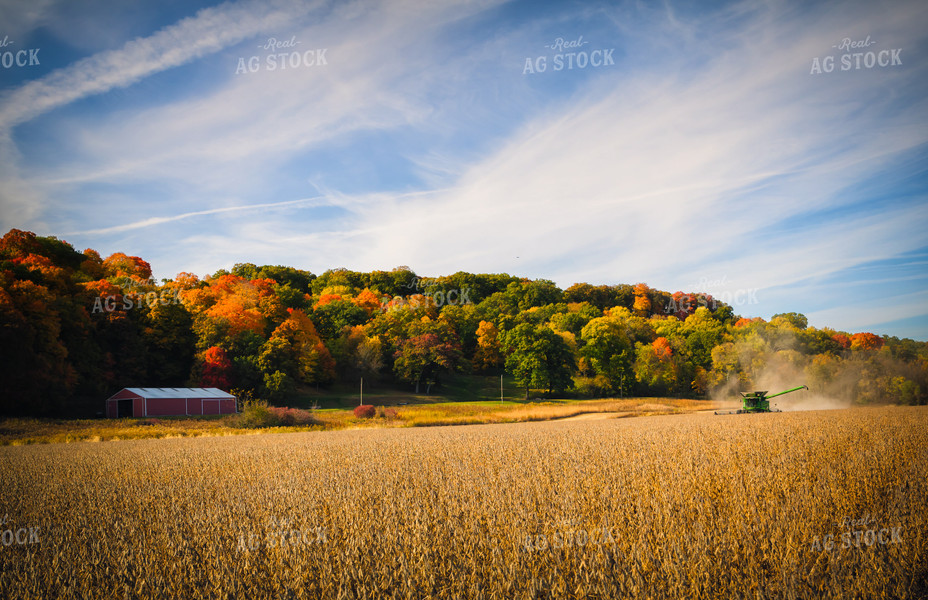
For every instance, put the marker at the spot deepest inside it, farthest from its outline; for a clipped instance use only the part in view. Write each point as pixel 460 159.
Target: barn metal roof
pixel 180 393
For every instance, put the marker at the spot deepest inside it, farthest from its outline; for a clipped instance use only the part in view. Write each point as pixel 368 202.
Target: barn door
pixel 124 408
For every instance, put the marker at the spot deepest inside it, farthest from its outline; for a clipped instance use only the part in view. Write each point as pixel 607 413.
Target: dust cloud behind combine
pixel 783 369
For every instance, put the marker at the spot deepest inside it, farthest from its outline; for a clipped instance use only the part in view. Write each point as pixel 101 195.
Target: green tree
pixel 656 367
pixel 702 333
pixel 330 318
pixel 610 350
pixel 797 320
pixel 576 317
pixel 538 357
pixel 168 335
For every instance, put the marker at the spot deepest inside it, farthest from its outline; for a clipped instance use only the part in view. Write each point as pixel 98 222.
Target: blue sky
pixel 702 155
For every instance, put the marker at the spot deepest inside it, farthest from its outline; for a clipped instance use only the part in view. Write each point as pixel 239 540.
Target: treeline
pixel 77 327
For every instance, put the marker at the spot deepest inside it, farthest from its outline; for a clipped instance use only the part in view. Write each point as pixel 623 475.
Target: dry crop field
pixel 792 505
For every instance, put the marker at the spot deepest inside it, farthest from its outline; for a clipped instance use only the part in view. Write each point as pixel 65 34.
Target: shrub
pixel 292 416
pixel 257 413
pixel 365 411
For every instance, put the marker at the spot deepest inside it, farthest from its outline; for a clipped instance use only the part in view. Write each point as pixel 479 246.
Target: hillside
pixel 78 327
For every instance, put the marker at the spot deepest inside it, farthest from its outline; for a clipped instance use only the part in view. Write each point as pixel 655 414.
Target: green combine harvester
pixel 759 402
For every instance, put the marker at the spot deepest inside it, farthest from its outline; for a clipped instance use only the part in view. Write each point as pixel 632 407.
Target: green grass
pixel 454 387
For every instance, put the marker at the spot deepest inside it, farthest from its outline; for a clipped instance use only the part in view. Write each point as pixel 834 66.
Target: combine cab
pixel 759 402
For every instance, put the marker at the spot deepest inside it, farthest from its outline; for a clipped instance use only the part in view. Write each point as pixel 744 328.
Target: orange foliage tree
pixel 642 306
pixel 367 300
pixel 488 355
pixel 296 350
pixel 866 341
pixel 121 265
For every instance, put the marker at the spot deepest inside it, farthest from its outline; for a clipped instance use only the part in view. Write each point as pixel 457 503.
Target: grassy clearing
pixel 692 506
pixel 455 387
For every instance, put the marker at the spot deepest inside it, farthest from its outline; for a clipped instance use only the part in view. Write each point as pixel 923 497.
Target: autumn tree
pixel 358 354
pixel 655 367
pixel 430 349
pixel 368 300
pixel 866 341
pixel 295 351
pixel 215 368
pixel 488 356
pixel 464 321
pixel 822 371
pixel 119 265
pixel 642 305
pixel 225 308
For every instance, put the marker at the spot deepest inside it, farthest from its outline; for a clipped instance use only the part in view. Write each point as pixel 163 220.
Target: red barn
pixel 163 402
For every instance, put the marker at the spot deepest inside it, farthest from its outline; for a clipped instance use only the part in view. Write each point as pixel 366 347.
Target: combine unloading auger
pixel 758 402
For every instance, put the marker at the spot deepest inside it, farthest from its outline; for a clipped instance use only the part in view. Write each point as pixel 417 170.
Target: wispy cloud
pixel 152 221
pixel 211 30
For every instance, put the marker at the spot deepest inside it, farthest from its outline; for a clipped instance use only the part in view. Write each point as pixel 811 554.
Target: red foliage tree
pixel 682 305
pixel 19 243
pixel 842 340
pixel 216 369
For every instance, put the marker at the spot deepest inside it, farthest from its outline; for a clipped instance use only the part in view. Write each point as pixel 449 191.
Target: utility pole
pixel 362 392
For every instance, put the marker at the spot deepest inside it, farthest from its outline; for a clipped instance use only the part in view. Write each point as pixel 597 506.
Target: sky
pixel 770 153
